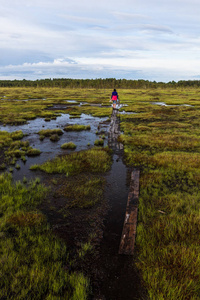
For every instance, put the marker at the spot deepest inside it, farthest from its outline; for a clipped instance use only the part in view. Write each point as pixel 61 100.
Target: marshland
pixel 64 191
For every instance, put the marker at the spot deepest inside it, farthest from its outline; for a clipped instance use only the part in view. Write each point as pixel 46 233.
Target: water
pixel 51 149
pixel 164 104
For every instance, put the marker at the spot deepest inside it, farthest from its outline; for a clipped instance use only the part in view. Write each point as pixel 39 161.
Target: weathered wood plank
pixel 130 223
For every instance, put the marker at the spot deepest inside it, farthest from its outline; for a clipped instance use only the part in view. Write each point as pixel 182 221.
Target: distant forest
pixel 98 83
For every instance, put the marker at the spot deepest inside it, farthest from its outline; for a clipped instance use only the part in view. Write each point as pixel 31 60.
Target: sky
pixel 132 39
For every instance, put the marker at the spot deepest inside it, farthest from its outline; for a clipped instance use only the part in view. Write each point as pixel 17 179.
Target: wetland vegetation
pixel 161 137
pixel 164 142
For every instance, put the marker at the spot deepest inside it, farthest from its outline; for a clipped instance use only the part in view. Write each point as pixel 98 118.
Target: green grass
pixel 77 127
pixel 92 160
pixel 69 145
pixel 167 233
pixel 99 142
pixel 85 248
pixel 83 185
pixel 33 152
pixel 83 191
pixel 49 132
pixel 54 138
pixel 164 142
pixel 32 258
pixel 12 147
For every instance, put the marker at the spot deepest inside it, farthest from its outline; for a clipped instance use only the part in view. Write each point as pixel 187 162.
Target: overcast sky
pixel 133 39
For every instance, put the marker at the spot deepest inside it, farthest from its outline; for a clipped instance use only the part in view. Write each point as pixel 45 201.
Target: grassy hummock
pixel 49 132
pixel 69 145
pixel 99 142
pixel 33 152
pixel 92 160
pixel 77 127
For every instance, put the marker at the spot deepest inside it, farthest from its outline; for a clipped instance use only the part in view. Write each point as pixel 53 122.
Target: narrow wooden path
pixel 114 133
pixel 130 223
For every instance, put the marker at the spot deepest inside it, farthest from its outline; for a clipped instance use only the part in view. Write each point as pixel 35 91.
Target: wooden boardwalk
pixel 114 133
pixel 130 223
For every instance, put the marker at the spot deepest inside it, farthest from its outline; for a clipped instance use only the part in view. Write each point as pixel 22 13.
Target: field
pixel 161 136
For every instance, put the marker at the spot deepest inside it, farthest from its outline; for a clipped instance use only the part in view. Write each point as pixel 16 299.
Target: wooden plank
pixel 130 222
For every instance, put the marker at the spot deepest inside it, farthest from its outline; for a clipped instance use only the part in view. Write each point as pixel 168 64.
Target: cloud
pixel 127 17
pixel 157 28
pixel 82 38
pixel 131 68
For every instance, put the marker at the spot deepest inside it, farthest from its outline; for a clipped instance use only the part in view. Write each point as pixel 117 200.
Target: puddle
pixel 159 103
pixel 164 104
pixel 123 112
pixel 71 101
pixel 52 149
pixel 25 100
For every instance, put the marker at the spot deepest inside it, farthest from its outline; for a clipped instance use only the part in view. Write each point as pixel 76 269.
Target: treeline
pixel 98 83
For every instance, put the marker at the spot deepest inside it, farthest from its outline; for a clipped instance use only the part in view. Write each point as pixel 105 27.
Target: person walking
pixel 114 98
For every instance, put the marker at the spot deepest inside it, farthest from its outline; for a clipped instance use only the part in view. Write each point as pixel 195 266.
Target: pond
pixel 83 139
